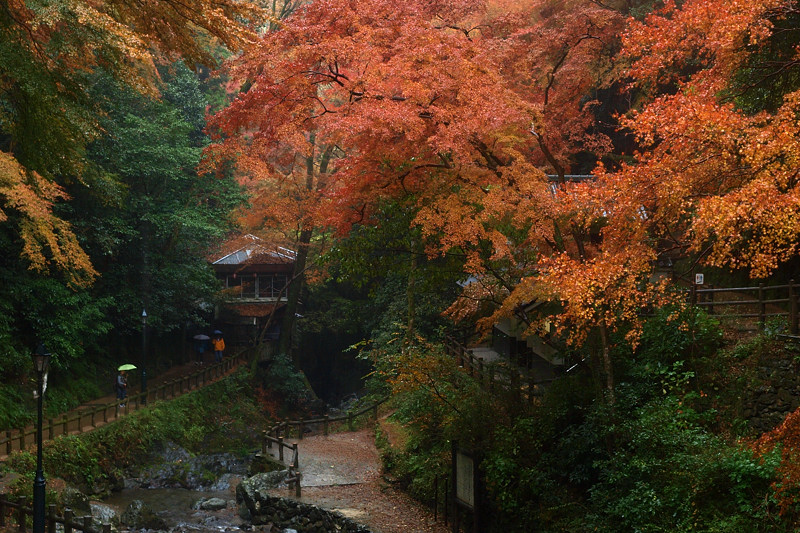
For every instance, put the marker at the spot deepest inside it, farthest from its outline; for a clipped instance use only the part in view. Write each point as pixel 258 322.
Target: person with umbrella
pixel 219 345
pixel 200 342
pixel 122 383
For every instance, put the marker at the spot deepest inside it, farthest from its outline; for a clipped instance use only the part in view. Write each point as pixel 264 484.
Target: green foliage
pixel 216 418
pixel 285 381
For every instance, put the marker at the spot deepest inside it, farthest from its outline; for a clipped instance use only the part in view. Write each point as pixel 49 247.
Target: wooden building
pixel 254 276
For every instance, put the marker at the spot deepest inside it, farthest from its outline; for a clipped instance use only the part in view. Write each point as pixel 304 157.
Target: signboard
pixel 465 486
pixel 698 279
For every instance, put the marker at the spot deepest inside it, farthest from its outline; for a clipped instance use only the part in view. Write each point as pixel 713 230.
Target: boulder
pixel 210 504
pixel 139 515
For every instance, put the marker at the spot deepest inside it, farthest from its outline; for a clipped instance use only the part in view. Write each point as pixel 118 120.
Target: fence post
pixel 792 309
pixel 66 426
pixel 50 429
pixel 762 307
pixel 325 425
pixel 296 456
pixel 8 443
pixel 711 301
pixel 68 516
pixel 436 498
pixel 301 428
pixel 264 441
pixel 375 412
pixel 280 448
pixel 51 514
pixel 350 420
pixel 2 510
pixel 297 484
pixel 87 523
pixel 21 513
pixel 491 378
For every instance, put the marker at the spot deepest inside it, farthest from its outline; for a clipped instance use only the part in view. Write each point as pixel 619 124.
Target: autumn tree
pixel 461 106
pixel 48 53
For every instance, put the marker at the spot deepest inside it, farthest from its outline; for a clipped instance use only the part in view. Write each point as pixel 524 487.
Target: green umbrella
pixel 127 367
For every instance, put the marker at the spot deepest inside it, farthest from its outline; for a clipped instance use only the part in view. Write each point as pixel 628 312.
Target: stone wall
pixel 258 507
pixel 774 393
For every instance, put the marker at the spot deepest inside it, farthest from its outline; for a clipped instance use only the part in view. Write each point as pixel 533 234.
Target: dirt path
pixel 341 472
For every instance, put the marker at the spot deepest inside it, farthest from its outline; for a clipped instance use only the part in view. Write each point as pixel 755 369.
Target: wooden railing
pixel 18 512
pixel 761 302
pixel 89 418
pixel 494 376
pixel 277 434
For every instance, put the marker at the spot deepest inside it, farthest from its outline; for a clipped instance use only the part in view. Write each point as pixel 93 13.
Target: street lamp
pixel 144 353
pixel 41 361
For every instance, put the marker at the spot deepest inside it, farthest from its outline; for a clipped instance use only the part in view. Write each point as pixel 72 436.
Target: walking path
pixel 341 472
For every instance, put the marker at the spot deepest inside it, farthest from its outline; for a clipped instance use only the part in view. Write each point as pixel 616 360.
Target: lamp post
pixel 144 354
pixel 41 361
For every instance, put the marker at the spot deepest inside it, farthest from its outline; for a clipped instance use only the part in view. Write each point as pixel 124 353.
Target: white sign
pixel 698 279
pixel 465 490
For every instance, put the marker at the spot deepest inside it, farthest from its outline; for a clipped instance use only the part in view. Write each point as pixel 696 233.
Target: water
pixel 174 506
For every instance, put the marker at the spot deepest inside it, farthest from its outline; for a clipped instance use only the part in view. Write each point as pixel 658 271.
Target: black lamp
pixel 41 362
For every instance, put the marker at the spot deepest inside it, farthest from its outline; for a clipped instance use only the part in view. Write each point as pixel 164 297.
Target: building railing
pixel 761 302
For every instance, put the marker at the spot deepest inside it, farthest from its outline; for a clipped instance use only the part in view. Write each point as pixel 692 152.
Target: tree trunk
pixel 608 368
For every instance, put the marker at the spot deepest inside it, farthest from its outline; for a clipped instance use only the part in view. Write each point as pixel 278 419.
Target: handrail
pixel 787 305
pixel 282 430
pixel 86 419
pixel 68 521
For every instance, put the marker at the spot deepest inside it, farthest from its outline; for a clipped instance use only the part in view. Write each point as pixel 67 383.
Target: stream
pixel 174 506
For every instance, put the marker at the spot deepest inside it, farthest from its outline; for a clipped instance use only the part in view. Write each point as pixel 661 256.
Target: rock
pixel 264 463
pixel 258 507
pixel 75 500
pixel 104 514
pixel 139 515
pixel 210 504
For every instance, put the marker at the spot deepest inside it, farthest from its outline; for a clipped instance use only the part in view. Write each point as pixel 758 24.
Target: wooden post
pixel 711 300
pixel 295 456
pixel 480 371
pixel 301 428
pixel 87 523
pixel 350 420
pixel 375 412
pixel 68 516
pixel 694 293
pixel 325 425
pixel 106 528
pixel 531 387
pixel 8 443
pixel 762 307
pixel 50 428
pixel 264 441
pixel 21 513
pixel 435 498
pixel 792 309
pixel 280 448
pixel 491 378
pixel 2 510
pixel 51 515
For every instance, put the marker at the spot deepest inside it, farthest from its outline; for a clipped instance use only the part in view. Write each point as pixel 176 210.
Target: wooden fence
pixel 91 417
pixel 19 513
pixel 283 430
pixel 762 302
pixel 497 376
